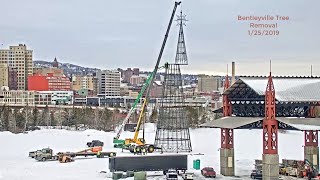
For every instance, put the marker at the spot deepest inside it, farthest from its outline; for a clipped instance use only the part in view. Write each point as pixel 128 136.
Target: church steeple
pixel 55 63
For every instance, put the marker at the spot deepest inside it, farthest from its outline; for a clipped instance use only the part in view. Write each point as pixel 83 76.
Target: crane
pixel 118 142
pixel 147 86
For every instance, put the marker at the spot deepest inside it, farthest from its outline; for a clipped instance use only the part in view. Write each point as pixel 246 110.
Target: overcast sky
pixel 128 33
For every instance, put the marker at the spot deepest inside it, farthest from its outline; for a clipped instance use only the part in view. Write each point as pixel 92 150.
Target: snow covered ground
pixel 15 163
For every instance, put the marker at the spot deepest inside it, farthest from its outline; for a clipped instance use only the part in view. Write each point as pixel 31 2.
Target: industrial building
pixel 209 83
pixel 54 97
pixel 20 58
pixel 17 97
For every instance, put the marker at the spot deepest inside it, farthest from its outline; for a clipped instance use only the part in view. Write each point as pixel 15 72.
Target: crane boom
pixel 134 105
pixel 146 101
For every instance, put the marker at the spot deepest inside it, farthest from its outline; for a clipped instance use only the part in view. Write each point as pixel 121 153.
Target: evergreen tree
pixel 35 117
pixel 5 119
pixel 20 119
pixel 192 116
pixel 106 120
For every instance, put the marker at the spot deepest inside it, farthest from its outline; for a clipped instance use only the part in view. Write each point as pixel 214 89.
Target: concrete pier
pixel 270 166
pixel 227 162
pixel 311 153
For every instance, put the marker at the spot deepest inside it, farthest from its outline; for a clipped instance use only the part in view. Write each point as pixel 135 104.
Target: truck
pixel 33 154
pixel 46 154
pixel 149 163
pixel 172 175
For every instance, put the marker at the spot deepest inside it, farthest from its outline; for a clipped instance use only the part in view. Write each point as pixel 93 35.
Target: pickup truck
pixel 187 176
pixel 171 174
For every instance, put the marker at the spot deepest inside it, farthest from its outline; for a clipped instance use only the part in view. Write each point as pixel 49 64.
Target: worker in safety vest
pixel 134 151
pixel 143 151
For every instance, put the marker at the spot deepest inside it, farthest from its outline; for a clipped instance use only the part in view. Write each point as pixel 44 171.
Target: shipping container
pixel 148 163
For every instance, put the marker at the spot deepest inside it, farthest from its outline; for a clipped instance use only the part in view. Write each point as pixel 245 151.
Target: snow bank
pixel 6 133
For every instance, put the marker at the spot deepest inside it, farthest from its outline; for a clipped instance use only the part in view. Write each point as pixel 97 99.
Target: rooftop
pixel 293 89
pixel 234 122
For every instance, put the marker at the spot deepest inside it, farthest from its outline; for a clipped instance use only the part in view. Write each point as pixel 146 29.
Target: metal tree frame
pixel 172 133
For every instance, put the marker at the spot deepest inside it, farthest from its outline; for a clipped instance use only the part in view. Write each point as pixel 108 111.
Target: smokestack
pixel 233 78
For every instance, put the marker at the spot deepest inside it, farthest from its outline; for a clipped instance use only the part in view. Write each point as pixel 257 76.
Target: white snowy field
pixel 15 163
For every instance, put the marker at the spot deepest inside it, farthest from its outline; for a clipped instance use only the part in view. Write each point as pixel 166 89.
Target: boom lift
pixel 138 143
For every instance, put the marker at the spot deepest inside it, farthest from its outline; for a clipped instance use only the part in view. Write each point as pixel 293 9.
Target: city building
pixel 17 97
pixel 49 82
pixel 83 93
pixel 4 79
pixel 48 70
pixel 124 89
pixel 109 82
pixel 134 80
pixel 54 97
pixel 13 78
pixel 156 90
pixel 135 72
pixel 83 82
pixel 127 74
pixel 20 58
pixel 209 83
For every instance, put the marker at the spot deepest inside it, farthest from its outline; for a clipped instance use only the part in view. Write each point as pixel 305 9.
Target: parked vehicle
pixel 208 172
pixel 187 176
pixel 171 174
pixel 46 154
pixel 33 154
pixel 256 174
pixel 94 143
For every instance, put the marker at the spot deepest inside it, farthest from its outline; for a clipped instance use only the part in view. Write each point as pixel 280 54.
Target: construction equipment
pixel 314 170
pixel 94 149
pixel 64 158
pixel 118 143
pixel 136 144
pixel 94 143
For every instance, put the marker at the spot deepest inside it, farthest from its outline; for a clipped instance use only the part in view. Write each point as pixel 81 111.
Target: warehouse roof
pixel 234 122
pixel 231 122
pixel 302 123
pixel 294 89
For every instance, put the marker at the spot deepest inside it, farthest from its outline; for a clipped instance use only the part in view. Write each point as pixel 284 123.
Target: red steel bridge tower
pixel 270 157
pixel 227 150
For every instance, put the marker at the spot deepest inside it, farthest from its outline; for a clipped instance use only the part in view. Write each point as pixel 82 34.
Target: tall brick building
pixel 20 58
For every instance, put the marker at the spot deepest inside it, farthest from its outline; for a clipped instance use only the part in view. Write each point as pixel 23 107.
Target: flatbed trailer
pixel 99 155
pixel 149 163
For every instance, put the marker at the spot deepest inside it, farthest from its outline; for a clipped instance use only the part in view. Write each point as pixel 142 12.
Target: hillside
pixel 67 68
